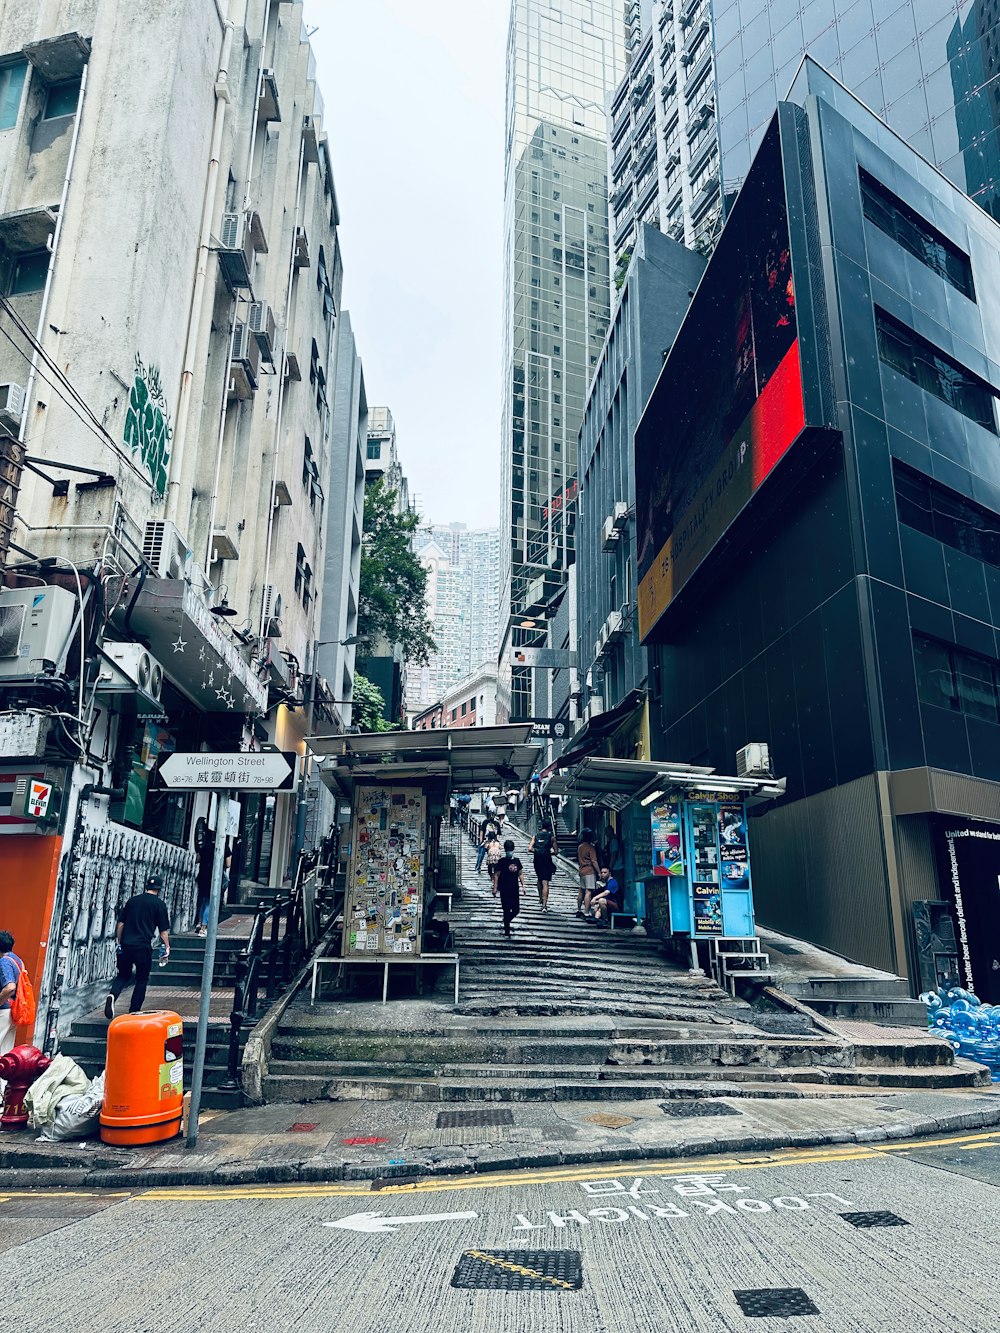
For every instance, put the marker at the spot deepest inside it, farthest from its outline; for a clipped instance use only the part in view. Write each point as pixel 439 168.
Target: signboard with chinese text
pixel 255 770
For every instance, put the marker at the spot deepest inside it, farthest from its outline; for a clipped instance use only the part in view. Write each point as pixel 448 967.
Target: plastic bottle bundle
pixel 971 1027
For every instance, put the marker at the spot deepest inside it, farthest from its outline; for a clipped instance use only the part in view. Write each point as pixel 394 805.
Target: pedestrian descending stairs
pixel 568 1011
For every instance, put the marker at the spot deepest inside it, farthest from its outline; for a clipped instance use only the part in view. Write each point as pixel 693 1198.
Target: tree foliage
pixel 393 581
pixel 368 706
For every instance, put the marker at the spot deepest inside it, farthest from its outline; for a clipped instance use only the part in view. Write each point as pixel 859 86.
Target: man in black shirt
pixel 143 916
pixel 508 881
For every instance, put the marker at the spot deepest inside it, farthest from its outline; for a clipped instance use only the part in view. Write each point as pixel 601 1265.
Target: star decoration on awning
pixel 178 644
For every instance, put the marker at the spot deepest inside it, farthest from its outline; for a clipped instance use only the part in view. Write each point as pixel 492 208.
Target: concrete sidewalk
pixel 381 1140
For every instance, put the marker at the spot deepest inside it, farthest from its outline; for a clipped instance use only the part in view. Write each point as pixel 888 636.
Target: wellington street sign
pixel 269 770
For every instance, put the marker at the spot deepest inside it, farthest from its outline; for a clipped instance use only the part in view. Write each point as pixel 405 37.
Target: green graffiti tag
pixel 147 424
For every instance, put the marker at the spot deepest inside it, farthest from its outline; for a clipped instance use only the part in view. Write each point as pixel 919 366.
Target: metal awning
pixel 616 783
pixel 463 759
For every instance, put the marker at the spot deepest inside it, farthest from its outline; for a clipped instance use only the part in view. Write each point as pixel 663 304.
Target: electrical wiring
pixel 61 385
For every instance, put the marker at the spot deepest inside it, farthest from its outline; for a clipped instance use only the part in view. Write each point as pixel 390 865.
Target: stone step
pixel 880 988
pixel 907 1013
pixel 295 1087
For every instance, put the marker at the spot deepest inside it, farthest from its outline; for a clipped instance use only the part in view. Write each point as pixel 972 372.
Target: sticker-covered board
pixel 385 889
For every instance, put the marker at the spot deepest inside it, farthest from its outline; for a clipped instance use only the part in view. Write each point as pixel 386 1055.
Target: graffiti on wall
pixel 108 865
pixel 147 424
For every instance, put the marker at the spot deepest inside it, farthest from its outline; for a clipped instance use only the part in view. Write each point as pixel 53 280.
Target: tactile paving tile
pixel 501 1115
pixel 682 1110
pixel 874 1219
pixel 775 1302
pixel 519 1270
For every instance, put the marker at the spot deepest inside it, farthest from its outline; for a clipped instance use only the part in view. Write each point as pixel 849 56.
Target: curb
pixel 484 1162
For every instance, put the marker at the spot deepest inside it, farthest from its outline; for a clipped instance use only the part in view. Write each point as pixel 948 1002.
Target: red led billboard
pixel 729 403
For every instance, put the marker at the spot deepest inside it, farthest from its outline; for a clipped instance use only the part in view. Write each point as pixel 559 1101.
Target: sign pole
pixel 208 968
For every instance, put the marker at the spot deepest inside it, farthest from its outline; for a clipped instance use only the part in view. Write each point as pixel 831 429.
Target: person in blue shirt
pixel 10 970
pixel 608 898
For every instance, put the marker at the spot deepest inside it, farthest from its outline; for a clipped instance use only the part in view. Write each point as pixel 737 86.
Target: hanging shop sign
pixel 383 913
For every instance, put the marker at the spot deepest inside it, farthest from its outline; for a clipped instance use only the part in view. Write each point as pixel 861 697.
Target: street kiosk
pixel 398 785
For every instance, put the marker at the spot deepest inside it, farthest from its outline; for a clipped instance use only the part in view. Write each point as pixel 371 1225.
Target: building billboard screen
pixel 729 403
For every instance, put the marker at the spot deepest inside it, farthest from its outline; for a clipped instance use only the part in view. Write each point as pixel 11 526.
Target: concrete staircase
pixel 873 1000
pixel 567 1011
pixel 177 986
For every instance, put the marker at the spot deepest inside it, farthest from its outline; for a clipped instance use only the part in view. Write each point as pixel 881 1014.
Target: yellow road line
pixel 556 1175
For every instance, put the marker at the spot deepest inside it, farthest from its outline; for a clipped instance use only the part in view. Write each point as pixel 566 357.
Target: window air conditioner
pixel 165 551
pixel 244 368
pixel 130 668
pixel 613 626
pixel 35 628
pixel 754 761
pixel 11 405
pixel 261 325
pixel 619 515
pixel 609 535
pixel 236 251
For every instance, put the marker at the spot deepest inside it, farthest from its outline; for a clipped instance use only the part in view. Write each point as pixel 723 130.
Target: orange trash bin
pixel 144 1078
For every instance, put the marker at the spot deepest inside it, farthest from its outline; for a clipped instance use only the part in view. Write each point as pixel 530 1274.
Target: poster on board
pixel 665 825
pixel 383 912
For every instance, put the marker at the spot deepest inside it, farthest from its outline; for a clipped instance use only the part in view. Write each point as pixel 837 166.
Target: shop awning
pixel 599 728
pixel 616 783
pixel 195 652
pixel 463 759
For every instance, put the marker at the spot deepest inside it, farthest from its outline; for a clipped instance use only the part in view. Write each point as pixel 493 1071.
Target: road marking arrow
pixel 376 1223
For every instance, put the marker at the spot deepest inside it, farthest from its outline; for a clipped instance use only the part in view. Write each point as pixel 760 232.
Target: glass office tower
pixel 563 59
pixel 929 68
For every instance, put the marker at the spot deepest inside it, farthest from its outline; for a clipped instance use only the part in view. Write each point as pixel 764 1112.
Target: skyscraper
pixel 563 59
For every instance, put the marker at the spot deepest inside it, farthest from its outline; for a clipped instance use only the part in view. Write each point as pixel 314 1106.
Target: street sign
pixel 256 770
pixel 548 728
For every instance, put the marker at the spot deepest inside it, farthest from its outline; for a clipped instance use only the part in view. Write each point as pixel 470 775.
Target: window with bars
pixel 905 351
pixel 915 234
pixel 963 682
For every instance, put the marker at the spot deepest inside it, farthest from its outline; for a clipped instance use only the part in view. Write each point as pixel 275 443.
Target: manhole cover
pixel 519 1270
pixel 501 1115
pixel 776 1302
pixel 610 1121
pixel 685 1110
pixel 874 1219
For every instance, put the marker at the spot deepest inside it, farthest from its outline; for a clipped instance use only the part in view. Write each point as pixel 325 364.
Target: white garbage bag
pixel 63 1078
pixel 77 1117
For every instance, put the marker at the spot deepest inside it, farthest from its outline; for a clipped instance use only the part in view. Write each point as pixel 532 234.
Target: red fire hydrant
pixel 20 1067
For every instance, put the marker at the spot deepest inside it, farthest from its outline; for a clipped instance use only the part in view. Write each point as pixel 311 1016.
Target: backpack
pixel 22 1002
pixel 543 842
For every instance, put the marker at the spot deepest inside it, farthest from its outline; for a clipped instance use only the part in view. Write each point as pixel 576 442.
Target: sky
pixel 414 104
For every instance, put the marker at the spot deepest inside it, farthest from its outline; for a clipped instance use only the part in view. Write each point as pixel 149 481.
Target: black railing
pixel 271 955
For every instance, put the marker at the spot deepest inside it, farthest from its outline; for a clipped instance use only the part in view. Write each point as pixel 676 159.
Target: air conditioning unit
pixel 602 640
pixel 35 628
pixel 272 612
pixel 261 324
pixel 613 627
pixel 236 249
pixel 609 535
pixel 754 761
pixel 165 551
pixel 130 668
pixel 244 369
pixel 619 515
pixel 11 405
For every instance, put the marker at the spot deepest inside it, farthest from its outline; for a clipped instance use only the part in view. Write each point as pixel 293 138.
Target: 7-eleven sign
pixel 37 800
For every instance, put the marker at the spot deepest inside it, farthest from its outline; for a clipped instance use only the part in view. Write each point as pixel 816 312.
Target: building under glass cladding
pixel 929 68
pixel 563 59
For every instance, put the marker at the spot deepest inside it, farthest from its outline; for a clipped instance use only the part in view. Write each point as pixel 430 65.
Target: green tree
pixel 368 705
pixel 393 581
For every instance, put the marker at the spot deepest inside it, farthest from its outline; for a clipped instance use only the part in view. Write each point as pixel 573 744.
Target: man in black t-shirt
pixel 508 881
pixel 142 917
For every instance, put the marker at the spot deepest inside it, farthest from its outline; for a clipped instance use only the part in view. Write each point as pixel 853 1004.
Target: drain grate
pixel 776 1302
pixel 682 1110
pixel 874 1219
pixel 501 1115
pixel 519 1270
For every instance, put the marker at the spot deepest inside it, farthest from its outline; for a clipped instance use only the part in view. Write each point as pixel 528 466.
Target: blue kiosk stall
pixel 688 872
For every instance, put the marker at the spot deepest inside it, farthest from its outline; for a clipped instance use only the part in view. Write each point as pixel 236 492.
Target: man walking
pixel 10 970
pixel 508 881
pixel 142 917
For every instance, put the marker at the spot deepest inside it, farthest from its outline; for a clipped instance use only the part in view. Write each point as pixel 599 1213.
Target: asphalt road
pixel 690 1246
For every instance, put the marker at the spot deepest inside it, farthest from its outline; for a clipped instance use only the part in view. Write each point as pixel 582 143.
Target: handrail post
pixel 236 1018
pixel 272 958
